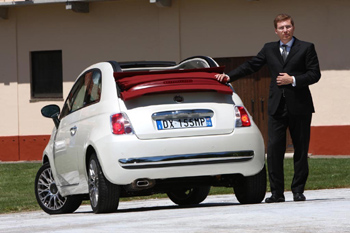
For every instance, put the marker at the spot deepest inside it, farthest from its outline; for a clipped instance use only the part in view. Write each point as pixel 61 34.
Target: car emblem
pixel 178 99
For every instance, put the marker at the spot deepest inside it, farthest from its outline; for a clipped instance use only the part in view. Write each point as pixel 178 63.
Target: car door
pixel 70 138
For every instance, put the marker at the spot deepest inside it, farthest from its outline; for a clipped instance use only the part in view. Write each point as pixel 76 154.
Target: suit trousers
pixel 299 128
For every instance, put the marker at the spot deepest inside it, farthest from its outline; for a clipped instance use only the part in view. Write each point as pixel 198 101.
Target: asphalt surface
pixel 323 211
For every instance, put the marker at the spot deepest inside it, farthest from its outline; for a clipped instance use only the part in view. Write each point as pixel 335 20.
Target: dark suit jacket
pixel 302 63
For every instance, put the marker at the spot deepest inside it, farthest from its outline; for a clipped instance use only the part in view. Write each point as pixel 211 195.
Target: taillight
pixel 242 117
pixel 121 124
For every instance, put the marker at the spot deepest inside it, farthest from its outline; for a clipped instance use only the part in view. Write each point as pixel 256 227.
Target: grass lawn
pixel 17 181
pixel 17 187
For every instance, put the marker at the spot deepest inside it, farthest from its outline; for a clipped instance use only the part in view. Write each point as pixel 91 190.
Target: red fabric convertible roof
pixel 137 83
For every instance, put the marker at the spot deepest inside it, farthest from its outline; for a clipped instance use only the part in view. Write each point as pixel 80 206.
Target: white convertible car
pixel 140 128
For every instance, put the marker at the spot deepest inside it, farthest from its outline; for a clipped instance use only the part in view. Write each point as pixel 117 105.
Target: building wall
pixel 127 30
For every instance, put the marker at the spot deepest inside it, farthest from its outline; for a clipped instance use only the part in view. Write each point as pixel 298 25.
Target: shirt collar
pixel 290 43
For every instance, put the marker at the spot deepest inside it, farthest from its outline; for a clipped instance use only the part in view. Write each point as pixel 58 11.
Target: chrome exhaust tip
pixel 141 184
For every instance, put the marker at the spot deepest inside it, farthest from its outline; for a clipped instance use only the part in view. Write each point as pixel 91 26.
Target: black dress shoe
pixel 299 197
pixel 275 198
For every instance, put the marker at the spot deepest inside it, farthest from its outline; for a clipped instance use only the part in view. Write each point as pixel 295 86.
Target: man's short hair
pixel 283 17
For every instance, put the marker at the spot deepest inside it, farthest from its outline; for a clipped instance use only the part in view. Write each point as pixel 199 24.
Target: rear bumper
pixel 126 158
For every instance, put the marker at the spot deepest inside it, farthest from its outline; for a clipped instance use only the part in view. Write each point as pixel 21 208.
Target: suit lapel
pixel 277 52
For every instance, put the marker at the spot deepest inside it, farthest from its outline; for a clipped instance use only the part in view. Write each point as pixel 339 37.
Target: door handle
pixel 252 106
pixel 73 130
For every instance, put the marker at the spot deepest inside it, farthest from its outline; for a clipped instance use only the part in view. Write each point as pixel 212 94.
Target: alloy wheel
pixel 48 192
pixel 93 183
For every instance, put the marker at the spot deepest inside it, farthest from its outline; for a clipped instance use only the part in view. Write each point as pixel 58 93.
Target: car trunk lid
pixel 176 103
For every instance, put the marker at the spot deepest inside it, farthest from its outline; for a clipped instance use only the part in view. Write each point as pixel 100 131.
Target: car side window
pixel 86 91
pixel 94 89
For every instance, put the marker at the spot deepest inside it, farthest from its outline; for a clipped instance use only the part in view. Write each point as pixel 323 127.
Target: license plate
pixel 184 123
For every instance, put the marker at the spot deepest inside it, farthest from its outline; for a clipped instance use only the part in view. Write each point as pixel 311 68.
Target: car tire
pixel 104 196
pixel 48 196
pixel 189 196
pixel 251 189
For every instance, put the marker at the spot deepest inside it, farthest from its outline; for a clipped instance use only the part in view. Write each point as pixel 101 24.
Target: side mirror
pixel 51 111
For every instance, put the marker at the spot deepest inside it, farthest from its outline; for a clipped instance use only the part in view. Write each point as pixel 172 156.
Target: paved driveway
pixel 324 211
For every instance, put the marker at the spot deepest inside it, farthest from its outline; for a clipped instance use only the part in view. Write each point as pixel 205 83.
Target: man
pixel 293 66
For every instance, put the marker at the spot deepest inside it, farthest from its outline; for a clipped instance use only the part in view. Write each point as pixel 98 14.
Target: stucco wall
pixel 332 99
pixel 8 78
